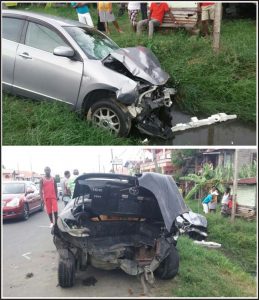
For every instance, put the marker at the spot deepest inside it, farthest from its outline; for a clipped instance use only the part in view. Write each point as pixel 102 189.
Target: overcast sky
pixel 61 158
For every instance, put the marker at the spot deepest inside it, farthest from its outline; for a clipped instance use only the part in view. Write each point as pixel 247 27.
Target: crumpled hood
pixel 169 199
pixel 141 62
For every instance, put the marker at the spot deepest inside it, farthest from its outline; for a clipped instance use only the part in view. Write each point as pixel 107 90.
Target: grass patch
pixel 28 122
pixel 238 239
pixel 225 272
pixel 206 83
pixel 206 273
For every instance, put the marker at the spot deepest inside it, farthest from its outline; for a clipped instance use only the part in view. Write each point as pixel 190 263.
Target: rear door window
pixel 43 38
pixel 12 29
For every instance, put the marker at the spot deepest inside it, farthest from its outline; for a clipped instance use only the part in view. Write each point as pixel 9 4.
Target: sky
pixel 62 158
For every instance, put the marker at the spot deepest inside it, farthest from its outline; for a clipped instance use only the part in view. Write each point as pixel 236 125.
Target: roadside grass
pixel 229 271
pixel 206 83
pixel 28 122
pixel 206 273
pixel 238 239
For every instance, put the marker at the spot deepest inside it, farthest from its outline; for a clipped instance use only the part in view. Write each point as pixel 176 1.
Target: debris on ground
pixel 29 275
pixel 130 291
pixel 208 244
pixel 89 281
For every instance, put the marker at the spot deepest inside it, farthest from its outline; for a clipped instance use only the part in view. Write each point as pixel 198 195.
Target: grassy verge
pixel 206 273
pixel 206 83
pixel 225 272
pixel 27 122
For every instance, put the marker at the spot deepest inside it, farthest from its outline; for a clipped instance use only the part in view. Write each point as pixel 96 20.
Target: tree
pixel 218 177
pixel 247 171
pixel 179 157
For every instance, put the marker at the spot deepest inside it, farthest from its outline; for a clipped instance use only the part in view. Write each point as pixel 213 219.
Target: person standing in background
pixel 64 185
pixel 71 183
pixel 106 15
pixel 207 10
pixel 143 8
pixel 133 11
pixel 83 13
pixel 49 193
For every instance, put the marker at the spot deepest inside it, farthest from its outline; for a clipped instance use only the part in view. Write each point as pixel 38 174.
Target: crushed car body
pixel 118 221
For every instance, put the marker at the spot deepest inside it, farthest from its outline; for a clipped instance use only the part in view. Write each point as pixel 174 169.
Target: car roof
pixel 54 20
pixel 18 181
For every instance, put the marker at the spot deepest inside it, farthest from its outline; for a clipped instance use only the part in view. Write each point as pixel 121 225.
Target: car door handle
pixel 25 55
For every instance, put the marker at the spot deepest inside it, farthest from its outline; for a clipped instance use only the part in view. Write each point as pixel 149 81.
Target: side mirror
pixel 64 51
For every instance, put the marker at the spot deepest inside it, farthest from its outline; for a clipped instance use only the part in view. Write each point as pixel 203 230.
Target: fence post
pixel 233 212
pixel 216 26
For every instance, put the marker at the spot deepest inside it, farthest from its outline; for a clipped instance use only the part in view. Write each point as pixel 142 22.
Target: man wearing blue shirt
pixel 83 13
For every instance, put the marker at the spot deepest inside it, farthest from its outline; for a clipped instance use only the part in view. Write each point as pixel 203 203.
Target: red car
pixel 20 199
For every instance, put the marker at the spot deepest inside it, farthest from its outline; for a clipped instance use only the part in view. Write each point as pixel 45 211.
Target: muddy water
pixel 231 132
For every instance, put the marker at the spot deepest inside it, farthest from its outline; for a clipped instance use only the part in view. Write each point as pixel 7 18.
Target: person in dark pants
pixel 49 193
pixel 143 8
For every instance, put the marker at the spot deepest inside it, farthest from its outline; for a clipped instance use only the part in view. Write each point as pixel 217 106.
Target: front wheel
pixel 169 266
pixel 26 212
pixel 108 115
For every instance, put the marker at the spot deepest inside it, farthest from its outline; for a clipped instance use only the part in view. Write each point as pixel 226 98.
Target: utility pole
pixel 112 162
pixel 233 212
pixel 216 26
pixel 155 161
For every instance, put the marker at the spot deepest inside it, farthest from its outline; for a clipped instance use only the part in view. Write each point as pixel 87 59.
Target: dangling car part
pixel 78 65
pixel 118 221
pixel 192 224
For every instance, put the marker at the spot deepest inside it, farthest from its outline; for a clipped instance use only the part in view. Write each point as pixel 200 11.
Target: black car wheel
pixel 108 115
pixel 169 266
pixel 26 212
pixel 66 271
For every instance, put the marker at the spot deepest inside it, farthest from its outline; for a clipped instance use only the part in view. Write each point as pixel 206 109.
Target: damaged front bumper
pixel 153 114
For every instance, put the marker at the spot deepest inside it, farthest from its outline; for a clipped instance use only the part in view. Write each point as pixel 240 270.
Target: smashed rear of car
pixel 118 221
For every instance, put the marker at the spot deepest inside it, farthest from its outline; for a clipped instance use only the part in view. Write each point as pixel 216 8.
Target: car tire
pixel 26 212
pixel 109 115
pixel 169 266
pixel 66 271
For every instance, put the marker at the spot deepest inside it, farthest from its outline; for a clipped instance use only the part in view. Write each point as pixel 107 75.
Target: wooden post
pixel 233 212
pixel 216 26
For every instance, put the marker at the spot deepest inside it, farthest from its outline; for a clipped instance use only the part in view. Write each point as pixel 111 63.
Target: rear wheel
pixel 66 271
pixel 108 115
pixel 169 266
pixel 26 212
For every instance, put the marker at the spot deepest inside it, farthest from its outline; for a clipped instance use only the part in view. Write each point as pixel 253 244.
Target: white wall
pixel 246 195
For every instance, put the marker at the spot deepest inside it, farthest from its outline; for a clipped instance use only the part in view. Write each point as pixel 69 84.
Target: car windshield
pixel 13 188
pixel 94 44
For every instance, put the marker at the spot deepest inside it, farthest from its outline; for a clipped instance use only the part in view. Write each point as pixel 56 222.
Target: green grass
pixel 206 273
pixel 28 122
pixel 225 272
pixel 206 83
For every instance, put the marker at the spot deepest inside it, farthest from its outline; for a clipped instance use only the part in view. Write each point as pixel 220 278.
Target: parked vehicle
pixel 46 57
pixel 118 221
pixel 20 199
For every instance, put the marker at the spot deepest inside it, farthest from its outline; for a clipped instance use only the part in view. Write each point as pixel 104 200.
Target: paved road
pixel 28 248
